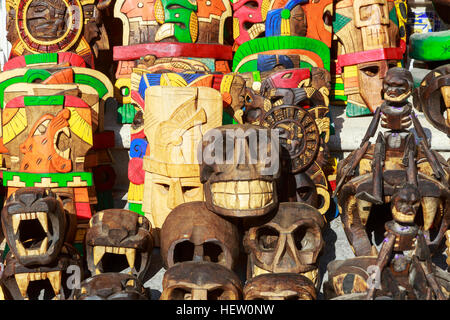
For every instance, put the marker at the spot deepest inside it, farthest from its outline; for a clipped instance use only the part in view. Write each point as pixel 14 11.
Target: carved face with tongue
pixel 34 223
pixel 117 240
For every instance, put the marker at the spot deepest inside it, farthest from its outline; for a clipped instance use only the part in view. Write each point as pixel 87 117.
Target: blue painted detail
pixel 138 148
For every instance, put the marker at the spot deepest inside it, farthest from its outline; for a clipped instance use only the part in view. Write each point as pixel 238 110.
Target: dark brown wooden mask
pixel 50 281
pixel 193 233
pixel 280 286
pixel 290 242
pixel 116 240
pixel 239 170
pixel 200 281
pixel 34 223
pixel 111 286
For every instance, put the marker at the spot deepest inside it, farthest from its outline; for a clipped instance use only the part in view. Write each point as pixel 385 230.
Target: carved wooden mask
pixel 175 121
pixel 404 204
pixel 432 97
pixel 193 233
pixel 44 26
pixel 47 134
pixel 279 286
pixel 34 223
pixel 51 279
pixel 188 21
pixel 116 240
pixel 368 45
pixel 240 179
pixel 111 286
pixel 200 281
pixel 290 242
pixel 249 17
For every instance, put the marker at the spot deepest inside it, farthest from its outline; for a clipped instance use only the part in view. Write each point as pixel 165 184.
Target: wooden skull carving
pixel 280 286
pixel 111 286
pixel 117 240
pixel 51 280
pixel 200 281
pixel 34 223
pixel 240 179
pixel 290 242
pixel 193 233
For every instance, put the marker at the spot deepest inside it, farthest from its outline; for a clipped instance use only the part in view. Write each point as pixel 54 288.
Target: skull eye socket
pixel 304 238
pixel 213 253
pixel 183 251
pixel 370 71
pixel 267 238
pixel 180 294
pixel 219 294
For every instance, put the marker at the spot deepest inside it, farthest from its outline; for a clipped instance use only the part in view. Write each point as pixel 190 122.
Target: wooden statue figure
pixel 368 45
pixel 191 232
pixel 279 286
pixel 394 159
pixel 117 241
pixel 175 121
pixel 50 26
pixel 402 270
pixel 51 280
pixel 200 280
pixel 111 286
pixel 288 240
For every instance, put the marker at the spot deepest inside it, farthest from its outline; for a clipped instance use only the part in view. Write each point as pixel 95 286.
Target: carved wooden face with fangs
pixel 111 286
pixel 193 233
pixel 200 281
pixel 280 286
pixel 117 240
pixel 290 242
pixel 37 282
pixel 34 222
pixel 240 179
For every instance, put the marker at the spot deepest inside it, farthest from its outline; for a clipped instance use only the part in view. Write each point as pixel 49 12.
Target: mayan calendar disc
pixel 299 134
pixel 49 26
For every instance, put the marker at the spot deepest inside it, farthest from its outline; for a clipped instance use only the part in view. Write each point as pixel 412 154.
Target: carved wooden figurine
pixel 118 240
pixel 402 270
pixel 368 45
pixel 289 240
pixel 394 159
pixel 200 280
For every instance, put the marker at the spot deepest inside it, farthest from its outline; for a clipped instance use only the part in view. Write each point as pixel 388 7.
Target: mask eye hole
pixel 304 238
pixel 252 5
pixel 248 99
pixel 217 294
pixel 370 71
pixel 180 294
pixel 213 253
pixel 327 18
pixel 183 251
pixel 267 238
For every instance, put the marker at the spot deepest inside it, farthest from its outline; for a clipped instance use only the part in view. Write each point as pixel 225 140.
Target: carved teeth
pixel 23 280
pixel 32 252
pixel 15 222
pixel 242 195
pixel 256 29
pixel 165 31
pixel 430 206
pixel 99 252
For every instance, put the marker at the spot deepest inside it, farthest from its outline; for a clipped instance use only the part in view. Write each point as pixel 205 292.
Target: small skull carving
pixel 117 240
pixel 200 281
pixel 239 170
pixel 191 232
pixel 290 241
